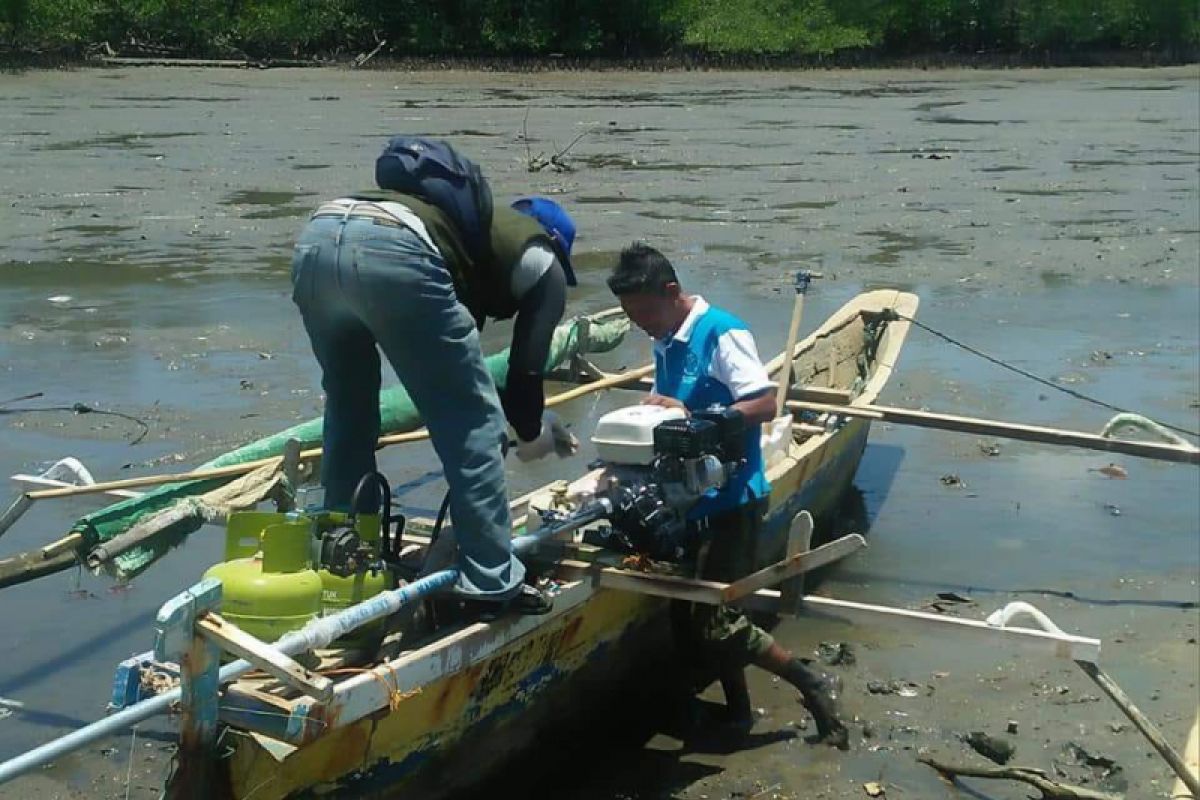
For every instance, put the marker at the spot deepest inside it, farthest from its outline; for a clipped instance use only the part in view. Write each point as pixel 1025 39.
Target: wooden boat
pixel 434 712
pixel 411 723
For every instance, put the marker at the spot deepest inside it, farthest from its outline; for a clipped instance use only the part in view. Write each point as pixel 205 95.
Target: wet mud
pixel 1048 218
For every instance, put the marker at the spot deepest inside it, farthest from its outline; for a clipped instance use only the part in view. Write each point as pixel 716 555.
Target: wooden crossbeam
pixel 695 590
pixel 794 565
pixel 264 656
pixel 821 394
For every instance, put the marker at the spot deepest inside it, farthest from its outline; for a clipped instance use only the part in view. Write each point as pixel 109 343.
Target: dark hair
pixel 640 269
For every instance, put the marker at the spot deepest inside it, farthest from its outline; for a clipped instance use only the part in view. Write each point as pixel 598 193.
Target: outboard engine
pixel 661 462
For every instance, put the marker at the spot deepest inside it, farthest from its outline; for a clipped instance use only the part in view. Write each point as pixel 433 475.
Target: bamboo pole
pixel 802 280
pixel 1010 430
pixel 608 382
pixel 1191 759
pixel 1143 723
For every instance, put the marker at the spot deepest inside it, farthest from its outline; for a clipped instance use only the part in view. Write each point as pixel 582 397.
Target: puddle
pixel 279 212
pixel 120 141
pixel 801 204
pixel 895 244
pixel 604 199
pixel 95 230
pixel 262 197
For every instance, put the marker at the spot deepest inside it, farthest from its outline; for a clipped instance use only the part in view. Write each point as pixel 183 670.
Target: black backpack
pixel 434 171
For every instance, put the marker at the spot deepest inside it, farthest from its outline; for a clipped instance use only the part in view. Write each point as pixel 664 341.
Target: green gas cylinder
pixel 269 585
pixel 338 592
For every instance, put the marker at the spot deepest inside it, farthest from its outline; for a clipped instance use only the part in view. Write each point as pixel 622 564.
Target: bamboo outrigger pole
pixel 1185 454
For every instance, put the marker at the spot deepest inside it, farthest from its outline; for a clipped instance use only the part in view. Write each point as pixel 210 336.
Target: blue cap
pixel 557 222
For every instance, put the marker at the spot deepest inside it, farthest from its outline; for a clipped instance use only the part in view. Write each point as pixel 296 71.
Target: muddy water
pixel 1051 218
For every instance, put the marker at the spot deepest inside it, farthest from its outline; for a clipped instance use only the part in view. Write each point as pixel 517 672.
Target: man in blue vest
pixel 382 271
pixel 704 356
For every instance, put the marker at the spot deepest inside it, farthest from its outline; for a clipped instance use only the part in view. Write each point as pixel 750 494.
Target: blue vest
pixel 682 372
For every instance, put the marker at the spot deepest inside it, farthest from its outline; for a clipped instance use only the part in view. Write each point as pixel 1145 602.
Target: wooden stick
pixel 785 377
pixel 1191 759
pixel 795 564
pixel 1010 430
pixel 265 656
pixel 1143 723
pixel 1050 789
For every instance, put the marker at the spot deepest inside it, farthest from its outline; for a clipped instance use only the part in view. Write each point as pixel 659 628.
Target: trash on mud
pixel 993 748
pixel 1111 470
pixel 989 448
pixel 948 600
pixel 836 654
pixel 1012 726
pixel 896 687
pixel 950 479
pixel 1084 767
pixel 874 789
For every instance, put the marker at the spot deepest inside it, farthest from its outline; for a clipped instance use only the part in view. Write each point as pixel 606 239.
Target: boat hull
pixel 483 698
pixel 505 699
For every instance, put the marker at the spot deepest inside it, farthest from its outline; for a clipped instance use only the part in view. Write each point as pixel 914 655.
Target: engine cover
pixel 626 435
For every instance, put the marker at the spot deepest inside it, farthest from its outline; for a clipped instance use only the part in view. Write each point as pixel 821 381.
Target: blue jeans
pixel 361 285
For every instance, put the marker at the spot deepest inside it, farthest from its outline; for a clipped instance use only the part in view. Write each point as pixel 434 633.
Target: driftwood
pixel 1050 789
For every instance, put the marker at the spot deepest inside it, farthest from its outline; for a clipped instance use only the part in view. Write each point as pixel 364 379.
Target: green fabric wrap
pixel 397 415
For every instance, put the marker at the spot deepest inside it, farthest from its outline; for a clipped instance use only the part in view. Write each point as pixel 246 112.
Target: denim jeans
pixel 360 286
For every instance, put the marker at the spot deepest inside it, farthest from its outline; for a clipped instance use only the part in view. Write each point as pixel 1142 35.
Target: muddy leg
pixel 818 691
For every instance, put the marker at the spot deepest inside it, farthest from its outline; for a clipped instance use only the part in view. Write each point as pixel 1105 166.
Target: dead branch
pixel 537 163
pixel 363 58
pixel 1050 789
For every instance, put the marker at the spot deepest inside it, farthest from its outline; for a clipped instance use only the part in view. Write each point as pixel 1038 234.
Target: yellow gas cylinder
pixel 269 587
pixel 338 592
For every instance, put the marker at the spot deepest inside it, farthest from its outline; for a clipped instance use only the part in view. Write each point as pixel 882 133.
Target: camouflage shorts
pixel 724 632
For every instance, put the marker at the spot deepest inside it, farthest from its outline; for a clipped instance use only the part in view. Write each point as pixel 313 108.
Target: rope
pixel 1026 374
pixel 394 694
pixel 77 409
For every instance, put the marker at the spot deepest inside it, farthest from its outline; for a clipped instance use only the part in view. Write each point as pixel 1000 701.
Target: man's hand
pixel 665 402
pixel 553 438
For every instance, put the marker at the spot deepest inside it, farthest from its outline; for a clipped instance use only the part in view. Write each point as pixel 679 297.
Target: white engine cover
pixel 626 435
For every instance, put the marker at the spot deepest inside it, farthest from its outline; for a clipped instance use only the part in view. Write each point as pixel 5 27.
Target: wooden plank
pixel 796 564
pixel 1010 430
pixel 821 394
pixel 264 656
pixel 799 540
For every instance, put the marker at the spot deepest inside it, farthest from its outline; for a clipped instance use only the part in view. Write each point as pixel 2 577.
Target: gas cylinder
pixel 269 585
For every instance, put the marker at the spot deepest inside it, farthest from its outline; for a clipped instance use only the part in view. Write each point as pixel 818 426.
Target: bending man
pixel 384 271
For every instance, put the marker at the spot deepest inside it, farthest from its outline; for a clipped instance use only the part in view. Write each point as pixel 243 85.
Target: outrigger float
pixel 372 691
